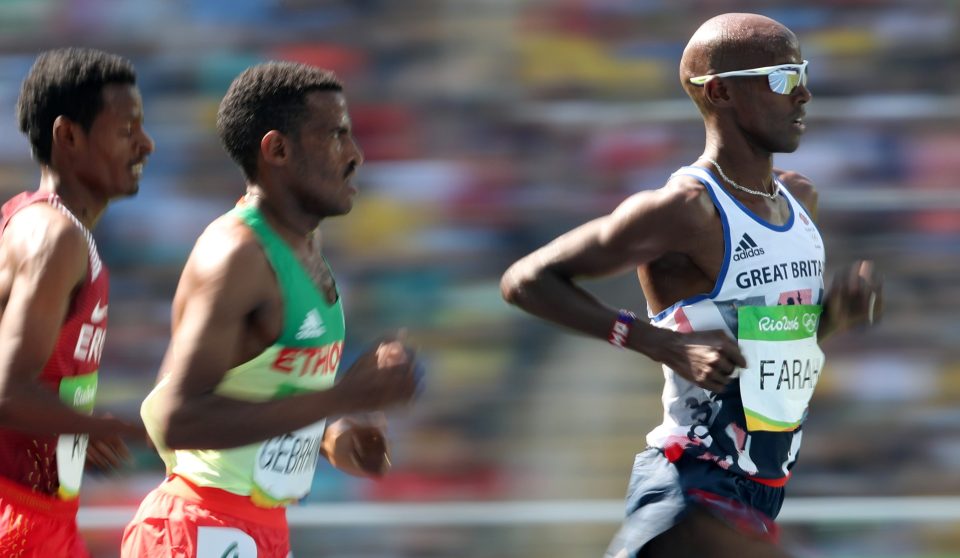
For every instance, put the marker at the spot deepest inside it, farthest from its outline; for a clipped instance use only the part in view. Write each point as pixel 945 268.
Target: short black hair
pixel 268 96
pixel 67 82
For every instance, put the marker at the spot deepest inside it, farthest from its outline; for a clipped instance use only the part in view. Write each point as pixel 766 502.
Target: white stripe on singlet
pixel 95 264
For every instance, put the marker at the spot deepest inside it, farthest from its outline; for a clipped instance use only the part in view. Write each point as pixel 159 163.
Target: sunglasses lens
pixel 785 81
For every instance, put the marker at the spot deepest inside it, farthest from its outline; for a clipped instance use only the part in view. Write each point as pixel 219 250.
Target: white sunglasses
pixel 783 79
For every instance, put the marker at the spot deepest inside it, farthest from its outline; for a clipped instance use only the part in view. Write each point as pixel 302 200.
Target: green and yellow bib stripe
pixel 79 392
pixel 783 364
pixel 304 358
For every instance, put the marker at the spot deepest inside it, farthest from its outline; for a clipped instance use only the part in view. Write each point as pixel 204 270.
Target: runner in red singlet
pixel 81 111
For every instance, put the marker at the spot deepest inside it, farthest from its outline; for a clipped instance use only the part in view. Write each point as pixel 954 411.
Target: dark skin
pixel 673 236
pixel 44 260
pixel 228 309
pixel 703 535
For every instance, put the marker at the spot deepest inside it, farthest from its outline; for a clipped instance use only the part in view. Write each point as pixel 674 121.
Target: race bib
pixel 284 465
pixel 783 364
pixel 224 542
pixel 78 392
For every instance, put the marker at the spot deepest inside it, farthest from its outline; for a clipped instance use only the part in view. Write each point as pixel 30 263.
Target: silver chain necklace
pixel 773 196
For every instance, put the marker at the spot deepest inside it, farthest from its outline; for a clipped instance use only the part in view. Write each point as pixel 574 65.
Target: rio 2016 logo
pixel 783 323
pixel 786 323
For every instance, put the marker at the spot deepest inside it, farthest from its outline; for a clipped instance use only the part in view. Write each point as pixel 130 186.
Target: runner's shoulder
pixel 666 216
pixel 228 251
pixel 690 188
pixel 800 187
pixel 43 234
pixel 682 201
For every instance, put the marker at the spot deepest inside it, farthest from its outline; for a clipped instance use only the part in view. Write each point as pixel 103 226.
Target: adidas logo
pixel 747 248
pixel 312 326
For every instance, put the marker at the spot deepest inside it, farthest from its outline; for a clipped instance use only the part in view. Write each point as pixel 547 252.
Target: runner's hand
pixel 357 446
pixel 106 449
pixel 108 425
pixel 708 359
pixel 108 453
pixel 855 297
pixel 382 377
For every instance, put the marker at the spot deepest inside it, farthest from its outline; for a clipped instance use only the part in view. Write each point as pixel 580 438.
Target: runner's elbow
pixel 179 432
pixel 515 285
pixel 172 437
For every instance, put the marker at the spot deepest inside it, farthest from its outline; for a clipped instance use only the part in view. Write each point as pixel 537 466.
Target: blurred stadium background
pixel 490 127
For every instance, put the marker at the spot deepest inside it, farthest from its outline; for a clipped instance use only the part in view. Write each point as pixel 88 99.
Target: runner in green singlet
pixel 250 378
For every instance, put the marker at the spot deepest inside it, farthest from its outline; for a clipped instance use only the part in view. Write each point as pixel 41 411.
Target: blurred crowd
pixel 489 128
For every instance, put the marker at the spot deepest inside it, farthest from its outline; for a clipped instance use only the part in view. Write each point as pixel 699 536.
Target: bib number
pixel 224 542
pixel 285 464
pixel 78 392
pixel 783 364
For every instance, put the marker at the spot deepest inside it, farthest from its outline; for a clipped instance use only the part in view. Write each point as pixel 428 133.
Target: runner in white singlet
pixel 731 264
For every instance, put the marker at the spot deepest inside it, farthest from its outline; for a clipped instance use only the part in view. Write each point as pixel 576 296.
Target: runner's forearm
pixel 217 422
pixel 561 301
pixel 33 409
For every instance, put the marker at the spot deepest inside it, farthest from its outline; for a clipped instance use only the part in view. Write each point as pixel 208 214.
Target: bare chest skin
pixel 693 266
pixel 316 267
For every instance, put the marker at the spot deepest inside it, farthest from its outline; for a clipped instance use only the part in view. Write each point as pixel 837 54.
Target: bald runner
pixel 731 262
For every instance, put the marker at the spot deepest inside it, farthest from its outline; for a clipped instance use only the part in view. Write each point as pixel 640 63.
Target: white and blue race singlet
pixel 767 296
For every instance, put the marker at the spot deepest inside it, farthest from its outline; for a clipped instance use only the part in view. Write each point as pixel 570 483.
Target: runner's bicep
pixel 583 252
pixel 635 233
pixel 202 347
pixel 215 303
pixel 43 284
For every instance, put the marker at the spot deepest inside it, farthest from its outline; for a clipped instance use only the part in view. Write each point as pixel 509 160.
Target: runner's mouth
pixel 351 170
